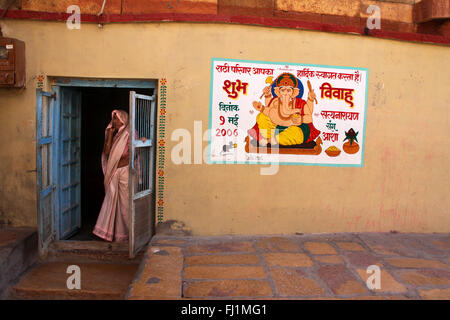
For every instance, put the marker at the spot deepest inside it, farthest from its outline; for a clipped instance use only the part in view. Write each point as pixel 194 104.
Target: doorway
pixel 97 105
pixel 77 113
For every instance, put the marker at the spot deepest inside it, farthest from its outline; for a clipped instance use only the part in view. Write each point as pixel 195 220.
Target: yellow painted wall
pixel 403 185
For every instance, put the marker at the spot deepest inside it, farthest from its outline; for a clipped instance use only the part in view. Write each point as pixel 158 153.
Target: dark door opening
pixel 96 107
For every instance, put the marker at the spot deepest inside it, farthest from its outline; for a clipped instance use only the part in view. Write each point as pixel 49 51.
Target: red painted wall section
pixel 427 10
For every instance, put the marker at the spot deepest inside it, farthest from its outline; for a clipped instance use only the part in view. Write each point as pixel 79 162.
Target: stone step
pixel 99 281
pixel 91 251
pixel 18 251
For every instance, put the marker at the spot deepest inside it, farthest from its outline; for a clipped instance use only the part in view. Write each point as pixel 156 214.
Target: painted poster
pixel 266 112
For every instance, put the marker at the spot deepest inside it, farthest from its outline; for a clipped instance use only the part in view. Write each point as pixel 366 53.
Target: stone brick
pixel 299 16
pixel 353 21
pixel 86 6
pixel 364 298
pixel 319 248
pixel 329 259
pixel 223 259
pixel 340 280
pixel 435 294
pixel 350 246
pixel 442 244
pixel 416 263
pixel 166 267
pixel 387 282
pixel 220 272
pixel 228 288
pixel 380 249
pixel 288 259
pixel 426 277
pixel 389 244
pixel 427 10
pixel 277 244
pixel 263 8
pixel 333 19
pixel 419 247
pixel 165 289
pixel 336 7
pixel 399 12
pixel 237 246
pixel 163 6
pixel 350 287
pixel 362 259
pixel 397 26
pixel 161 242
pixel 390 25
pixel 98 281
pixel 295 283
pixel 247 3
pixel 378 298
pixel 401 245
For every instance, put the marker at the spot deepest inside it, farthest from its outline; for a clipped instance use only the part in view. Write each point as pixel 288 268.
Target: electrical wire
pixel 103 8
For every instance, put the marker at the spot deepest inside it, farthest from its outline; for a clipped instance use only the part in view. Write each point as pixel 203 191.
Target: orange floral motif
pixel 160 202
pixel 161 173
pixel 162 142
pixel 163 111
pixel 163 81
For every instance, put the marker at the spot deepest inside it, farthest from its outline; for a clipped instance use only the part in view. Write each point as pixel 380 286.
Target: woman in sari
pixel 113 220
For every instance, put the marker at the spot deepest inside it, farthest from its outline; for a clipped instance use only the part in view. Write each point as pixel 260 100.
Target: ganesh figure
pixel 285 120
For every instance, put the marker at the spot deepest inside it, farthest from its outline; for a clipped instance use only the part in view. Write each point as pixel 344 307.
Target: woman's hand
pixel 312 96
pixel 108 140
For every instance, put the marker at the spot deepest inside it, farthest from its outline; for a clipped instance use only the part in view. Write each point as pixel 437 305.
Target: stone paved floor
pixel 325 266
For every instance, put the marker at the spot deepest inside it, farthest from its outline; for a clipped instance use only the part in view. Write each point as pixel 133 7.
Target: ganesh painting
pixel 285 121
pixel 287 113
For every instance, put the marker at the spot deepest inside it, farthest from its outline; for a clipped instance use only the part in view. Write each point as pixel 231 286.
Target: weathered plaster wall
pixel 405 179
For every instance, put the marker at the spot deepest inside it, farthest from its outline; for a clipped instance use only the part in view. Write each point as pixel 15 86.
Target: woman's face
pixel 116 122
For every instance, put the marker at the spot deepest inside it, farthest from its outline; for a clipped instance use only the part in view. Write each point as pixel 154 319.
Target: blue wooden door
pixel 70 162
pixel 45 168
pixel 142 164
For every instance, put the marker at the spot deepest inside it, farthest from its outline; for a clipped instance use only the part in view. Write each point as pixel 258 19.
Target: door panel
pixel 142 159
pixel 70 163
pixel 45 168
